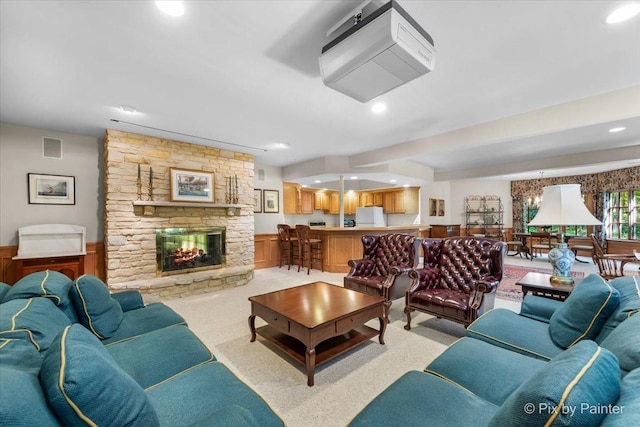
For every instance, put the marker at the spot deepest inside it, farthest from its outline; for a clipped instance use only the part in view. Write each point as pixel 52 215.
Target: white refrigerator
pixel 370 217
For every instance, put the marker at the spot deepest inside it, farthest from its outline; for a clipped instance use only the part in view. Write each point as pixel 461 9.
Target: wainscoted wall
pixel 130 237
pixel 93 262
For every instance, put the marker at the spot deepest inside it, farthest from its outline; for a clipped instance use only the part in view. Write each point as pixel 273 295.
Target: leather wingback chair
pixel 458 280
pixel 385 265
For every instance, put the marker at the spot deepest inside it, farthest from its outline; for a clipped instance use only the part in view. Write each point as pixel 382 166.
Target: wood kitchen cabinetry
pixel 405 201
pixel 321 200
pixel 296 200
pixel 307 202
pixel 350 203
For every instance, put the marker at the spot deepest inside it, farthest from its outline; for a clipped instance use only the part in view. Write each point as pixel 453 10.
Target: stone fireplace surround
pixel 130 228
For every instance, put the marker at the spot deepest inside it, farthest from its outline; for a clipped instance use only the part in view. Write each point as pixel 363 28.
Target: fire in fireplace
pixel 180 250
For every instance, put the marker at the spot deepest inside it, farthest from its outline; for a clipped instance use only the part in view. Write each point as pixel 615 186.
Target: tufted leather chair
pixel 384 267
pixel 458 280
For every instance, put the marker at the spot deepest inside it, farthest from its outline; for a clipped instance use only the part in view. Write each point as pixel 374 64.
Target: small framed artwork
pixel 271 201
pixel 51 189
pixel 257 201
pixel 440 207
pixel 433 207
pixel 191 186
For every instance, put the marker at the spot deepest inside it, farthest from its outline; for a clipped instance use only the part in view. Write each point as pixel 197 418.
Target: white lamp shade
pixel 563 205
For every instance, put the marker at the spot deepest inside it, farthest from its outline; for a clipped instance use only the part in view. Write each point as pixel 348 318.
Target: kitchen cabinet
pixel 378 199
pixel 296 200
pixel 307 202
pixel 321 200
pixel 350 203
pixel 404 201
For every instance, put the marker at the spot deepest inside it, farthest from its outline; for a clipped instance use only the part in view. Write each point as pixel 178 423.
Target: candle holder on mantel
pixel 232 190
pixel 151 192
pixel 139 184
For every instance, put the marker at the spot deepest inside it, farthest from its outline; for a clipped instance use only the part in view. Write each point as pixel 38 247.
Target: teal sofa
pixel 71 353
pixel 554 363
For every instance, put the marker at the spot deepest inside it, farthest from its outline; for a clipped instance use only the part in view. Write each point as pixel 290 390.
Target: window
pixel 623 215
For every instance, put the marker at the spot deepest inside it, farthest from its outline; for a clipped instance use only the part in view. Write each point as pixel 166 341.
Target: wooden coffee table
pixel 316 322
pixel 539 284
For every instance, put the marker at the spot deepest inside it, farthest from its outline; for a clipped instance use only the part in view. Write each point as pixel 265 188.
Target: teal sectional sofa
pixel 71 353
pixel 554 363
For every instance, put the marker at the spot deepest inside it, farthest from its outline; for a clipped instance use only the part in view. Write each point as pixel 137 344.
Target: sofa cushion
pixel 626 411
pixel 4 288
pixel 180 348
pixel 47 284
pixel 583 377
pixel 23 403
pixel 422 399
pixel 629 289
pixel 36 320
pixel 583 312
pixel 84 385
pixel 524 335
pixel 20 354
pixel 624 342
pixel 96 310
pixel 193 396
pixel 137 322
pixel 511 367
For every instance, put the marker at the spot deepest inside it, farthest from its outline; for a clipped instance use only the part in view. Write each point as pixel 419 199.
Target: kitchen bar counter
pixel 344 243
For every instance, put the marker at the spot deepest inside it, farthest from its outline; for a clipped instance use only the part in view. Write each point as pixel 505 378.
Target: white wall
pixel 21 153
pixel 269 179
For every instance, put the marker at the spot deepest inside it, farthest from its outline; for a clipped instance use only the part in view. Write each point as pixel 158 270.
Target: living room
pixel 250 112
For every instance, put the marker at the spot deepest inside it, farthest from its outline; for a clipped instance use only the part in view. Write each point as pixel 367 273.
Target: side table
pixel 539 284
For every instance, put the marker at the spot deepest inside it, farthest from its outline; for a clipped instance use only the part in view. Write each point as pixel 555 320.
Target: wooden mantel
pixel 149 207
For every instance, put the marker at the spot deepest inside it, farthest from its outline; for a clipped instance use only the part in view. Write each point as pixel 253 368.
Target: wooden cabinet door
pixel 366 199
pixel 321 200
pixel 291 195
pixel 389 202
pixel 350 203
pixel 334 203
pixel 306 202
pixel 378 199
pixel 398 202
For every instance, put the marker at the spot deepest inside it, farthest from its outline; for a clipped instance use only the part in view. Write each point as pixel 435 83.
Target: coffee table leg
pixel 252 327
pixel 310 358
pixel 383 327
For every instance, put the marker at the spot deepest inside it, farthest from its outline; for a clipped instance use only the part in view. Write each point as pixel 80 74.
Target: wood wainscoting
pixel 93 262
pixel 266 250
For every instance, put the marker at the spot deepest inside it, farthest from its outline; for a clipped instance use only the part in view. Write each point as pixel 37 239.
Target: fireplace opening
pixel 180 250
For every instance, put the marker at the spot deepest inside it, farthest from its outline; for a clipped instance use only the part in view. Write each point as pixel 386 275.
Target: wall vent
pixel 51 148
pixel 260 174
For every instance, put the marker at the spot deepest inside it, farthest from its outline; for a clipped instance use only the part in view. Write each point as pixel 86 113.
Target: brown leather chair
pixel 458 280
pixel 384 267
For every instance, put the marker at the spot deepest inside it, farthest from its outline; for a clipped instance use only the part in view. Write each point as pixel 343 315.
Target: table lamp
pixel 562 205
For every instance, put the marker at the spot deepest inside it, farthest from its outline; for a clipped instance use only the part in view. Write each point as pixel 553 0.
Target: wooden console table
pixel 71 266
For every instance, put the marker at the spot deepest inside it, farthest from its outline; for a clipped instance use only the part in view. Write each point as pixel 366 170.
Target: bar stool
pixel 286 244
pixel 309 250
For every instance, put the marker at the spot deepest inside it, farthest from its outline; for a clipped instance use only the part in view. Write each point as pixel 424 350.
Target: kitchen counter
pixel 341 244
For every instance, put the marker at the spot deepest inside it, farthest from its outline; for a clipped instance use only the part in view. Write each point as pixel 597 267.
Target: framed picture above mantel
pixel 46 189
pixel 191 186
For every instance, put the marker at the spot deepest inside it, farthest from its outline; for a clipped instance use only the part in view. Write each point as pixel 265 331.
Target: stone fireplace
pixel 131 222
pixel 180 250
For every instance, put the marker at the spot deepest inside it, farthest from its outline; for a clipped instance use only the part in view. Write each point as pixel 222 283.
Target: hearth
pixel 181 250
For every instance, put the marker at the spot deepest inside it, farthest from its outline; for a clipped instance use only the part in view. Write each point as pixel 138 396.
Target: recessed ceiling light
pixel 128 108
pixel 173 8
pixel 623 13
pixel 379 107
pixel 317 181
pixel 618 129
pixel 406 185
pixel 354 177
pixel 279 146
pixel 393 180
pixel 304 185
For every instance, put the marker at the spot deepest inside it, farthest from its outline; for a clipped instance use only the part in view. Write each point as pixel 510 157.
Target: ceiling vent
pixel 380 52
pixel 51 148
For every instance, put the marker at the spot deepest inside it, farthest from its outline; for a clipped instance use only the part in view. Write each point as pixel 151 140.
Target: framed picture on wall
pixel 271 201
pixel 191 186
pixel 257 201
pixel 51 189
pixel 440 207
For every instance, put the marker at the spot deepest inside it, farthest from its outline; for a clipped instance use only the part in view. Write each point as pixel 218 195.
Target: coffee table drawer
pixel 274 319
pixel 357 319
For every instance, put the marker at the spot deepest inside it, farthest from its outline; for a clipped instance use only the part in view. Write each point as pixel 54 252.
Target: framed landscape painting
pixel 191 186
pixel 271 201
pixel 51 189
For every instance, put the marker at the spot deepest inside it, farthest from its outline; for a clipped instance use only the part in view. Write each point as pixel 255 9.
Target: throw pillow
pixel 47 284
pixel 626 411
pixel 96 309
pixel 572 389
pixel 20 354
pixel 629 289
pixel 23 403
pixel 624 342
pixel 35 320
pixel 84 385
pixel 583 313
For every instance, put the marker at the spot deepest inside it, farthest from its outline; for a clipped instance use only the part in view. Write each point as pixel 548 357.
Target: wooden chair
pixel 286 244
pixel 609 265
pixel 309 250
pixel 540 241
pixel 512 245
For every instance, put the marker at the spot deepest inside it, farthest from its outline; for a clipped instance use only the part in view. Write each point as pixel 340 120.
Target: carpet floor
pixel 512 274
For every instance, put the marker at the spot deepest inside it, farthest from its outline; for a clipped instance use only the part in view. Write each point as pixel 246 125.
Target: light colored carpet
pixel 343 386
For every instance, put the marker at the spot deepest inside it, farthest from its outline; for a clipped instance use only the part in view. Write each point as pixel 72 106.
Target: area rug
pixel 508 288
